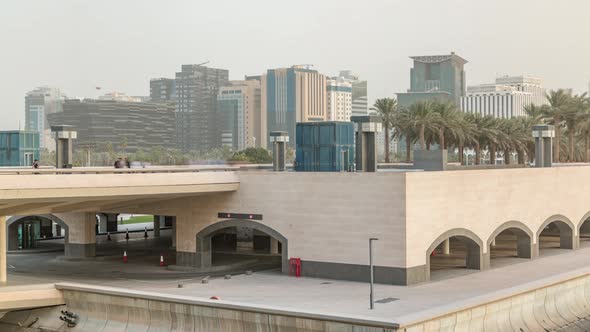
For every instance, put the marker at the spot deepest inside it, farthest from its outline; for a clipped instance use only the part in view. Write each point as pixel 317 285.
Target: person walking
pixel 35 163
pixel 119 163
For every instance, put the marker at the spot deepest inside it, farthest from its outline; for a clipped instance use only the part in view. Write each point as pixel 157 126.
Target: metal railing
pixel 111 170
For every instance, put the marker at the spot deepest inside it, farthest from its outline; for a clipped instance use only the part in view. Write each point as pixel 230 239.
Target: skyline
pixel 100 50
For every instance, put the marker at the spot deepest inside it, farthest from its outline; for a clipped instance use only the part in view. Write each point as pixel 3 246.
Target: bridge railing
pixel 111 170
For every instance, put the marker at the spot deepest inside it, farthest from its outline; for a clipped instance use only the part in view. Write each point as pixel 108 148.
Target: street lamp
pixel 371 268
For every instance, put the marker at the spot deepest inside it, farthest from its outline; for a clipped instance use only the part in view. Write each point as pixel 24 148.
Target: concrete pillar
pixel 157 226
pixel 245 239
pixel 524 247
pixel 279 140
pixel 3 245
pixel 102 223
pixel 274 246
pixel 81 234
pixel 174 229
pixel 366 129
pixel 13 237
pixel 64 136
pixel 58 230
pixel 543 135
pixel 446 247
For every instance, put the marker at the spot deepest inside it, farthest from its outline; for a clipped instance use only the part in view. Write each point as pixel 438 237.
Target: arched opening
pixel 557 232
pixel 584 231
pixel 241 242
pixel 464 254
pixel 40 232
pixel 510 243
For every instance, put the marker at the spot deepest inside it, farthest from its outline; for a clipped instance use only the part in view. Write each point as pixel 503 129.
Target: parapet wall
pixel 560 305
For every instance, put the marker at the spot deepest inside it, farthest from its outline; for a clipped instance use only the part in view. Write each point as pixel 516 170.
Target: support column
pixel 274 246
pixel 446 247
pixel 245 239
pixel 112 222
pixel 57 230
pixel 174 232
pixel 81 234
pixel 12 237
pixel 102 223
pixel 157 226
pixel 3 244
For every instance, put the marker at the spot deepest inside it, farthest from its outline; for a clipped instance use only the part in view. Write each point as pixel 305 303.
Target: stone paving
pixel 351 298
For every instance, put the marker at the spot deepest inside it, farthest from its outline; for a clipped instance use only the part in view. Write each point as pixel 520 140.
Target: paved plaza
pixel 340 298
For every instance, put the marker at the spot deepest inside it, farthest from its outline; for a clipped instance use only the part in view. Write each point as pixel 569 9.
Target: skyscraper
pixel 197 87
pixel 435 77
pixel 359 92
pixel 240 123
pixel 339 100
pixel 162 90
pixel 291 95
pixel 38 104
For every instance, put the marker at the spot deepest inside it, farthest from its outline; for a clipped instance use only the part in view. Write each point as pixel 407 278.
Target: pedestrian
pixel 35 163
pixel 119 163
pixel 127 163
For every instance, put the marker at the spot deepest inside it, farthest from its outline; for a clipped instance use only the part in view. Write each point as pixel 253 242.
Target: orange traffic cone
pixel 125 256
pixel 127 234
pixel 109 236
pixel 162 260
pixel 145 233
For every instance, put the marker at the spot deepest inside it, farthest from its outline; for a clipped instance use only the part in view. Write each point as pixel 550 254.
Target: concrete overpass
pixel 323 218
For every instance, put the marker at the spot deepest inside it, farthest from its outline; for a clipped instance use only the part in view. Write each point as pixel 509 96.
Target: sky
pixel 119 45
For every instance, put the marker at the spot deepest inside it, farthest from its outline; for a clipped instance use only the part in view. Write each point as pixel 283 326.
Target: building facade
pixel 507 98
pixel 435 77
pixel 120 96
pixel 339 100
pixel 18 148
pixel 360 104
pixel 197 88
pixel 240 123
pixel 291 95
pixel 128 126
pixel 38 104
pixel 162 90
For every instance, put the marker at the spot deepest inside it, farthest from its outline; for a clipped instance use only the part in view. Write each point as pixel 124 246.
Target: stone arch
pixel 13 222
pixel 204 240
pixel 524 236
pixel 476 260
pixel 568 238
pixel 582 221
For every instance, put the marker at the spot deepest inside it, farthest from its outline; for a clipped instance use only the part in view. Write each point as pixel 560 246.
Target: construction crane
pixel 204 63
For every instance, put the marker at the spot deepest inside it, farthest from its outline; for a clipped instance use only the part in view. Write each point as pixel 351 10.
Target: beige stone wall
pixel 326 217
pixel 481 200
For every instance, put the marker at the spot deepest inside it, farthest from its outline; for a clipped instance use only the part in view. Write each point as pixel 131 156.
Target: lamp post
pixel 371 268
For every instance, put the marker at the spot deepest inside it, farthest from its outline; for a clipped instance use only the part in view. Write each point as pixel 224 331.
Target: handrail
pixel 111 170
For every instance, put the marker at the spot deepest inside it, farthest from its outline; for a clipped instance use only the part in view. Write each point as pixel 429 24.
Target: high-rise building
pixel 507 98
pixel 435 77
pixel 359 92
pixel 197 87
pixel 38 104
pixel 240 123
pixel 137 125
pixel 291 95
pixel 162 90
pixel 339 100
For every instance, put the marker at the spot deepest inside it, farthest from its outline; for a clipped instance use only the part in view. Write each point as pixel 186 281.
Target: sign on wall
pixel 229 215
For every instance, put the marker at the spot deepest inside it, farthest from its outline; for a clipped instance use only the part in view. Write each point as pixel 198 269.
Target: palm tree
pixel 422 118
pixel 403 129
pixel 485 132
pixel 386 108
pixel 571 116
pixel 448 121
pixel 558 101
pixel 465 134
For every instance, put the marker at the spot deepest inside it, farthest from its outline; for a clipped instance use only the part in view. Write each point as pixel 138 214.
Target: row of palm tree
pixel 439 122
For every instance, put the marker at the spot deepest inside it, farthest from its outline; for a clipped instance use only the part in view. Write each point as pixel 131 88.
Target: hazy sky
pixel 119 45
